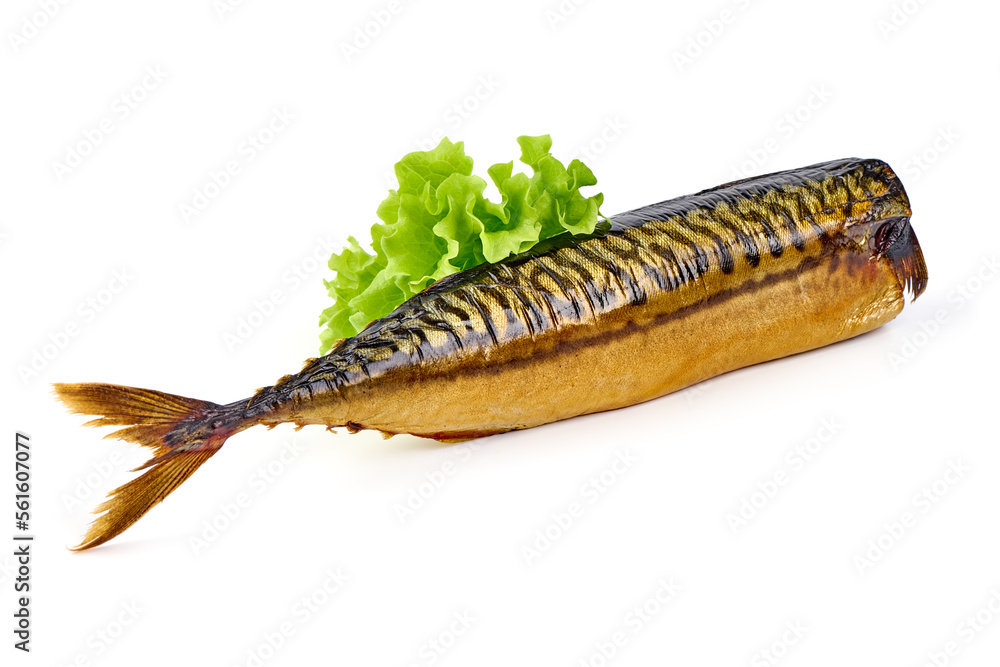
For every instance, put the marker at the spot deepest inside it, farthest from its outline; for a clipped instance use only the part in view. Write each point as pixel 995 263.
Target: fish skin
pixel 443 364
pixel 657 299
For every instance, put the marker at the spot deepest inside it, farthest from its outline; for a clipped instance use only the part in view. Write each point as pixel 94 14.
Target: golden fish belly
pixel 664 297
pixel 613 364
pixel 654 300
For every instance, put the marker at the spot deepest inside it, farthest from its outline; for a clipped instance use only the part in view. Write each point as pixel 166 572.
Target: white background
pixel 912 84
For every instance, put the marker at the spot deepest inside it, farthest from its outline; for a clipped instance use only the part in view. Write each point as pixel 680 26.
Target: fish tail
pixel 182 433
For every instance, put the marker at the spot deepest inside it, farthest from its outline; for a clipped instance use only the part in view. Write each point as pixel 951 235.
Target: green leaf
pixel 438 222
pixel 534 149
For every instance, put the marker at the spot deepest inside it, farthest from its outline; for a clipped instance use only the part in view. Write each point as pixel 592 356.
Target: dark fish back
pixel 690 247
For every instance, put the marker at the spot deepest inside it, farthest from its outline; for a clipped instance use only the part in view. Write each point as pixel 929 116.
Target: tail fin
pixel 182 432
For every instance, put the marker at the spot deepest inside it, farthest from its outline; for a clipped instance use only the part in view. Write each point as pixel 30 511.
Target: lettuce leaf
pixel 437 222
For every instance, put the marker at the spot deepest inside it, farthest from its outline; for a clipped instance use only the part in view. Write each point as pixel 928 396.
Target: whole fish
pixel 655 300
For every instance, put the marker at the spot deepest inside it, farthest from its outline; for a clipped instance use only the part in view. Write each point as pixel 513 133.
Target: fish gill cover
pixel 438 222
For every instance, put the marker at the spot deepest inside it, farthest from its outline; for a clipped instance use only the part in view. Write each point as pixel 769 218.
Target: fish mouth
pixel 894 239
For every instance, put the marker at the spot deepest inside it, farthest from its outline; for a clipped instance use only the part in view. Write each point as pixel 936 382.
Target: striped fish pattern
pixel 654 300
pixel 689 249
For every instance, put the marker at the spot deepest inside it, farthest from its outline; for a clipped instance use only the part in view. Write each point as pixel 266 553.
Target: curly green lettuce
pixel 437 222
